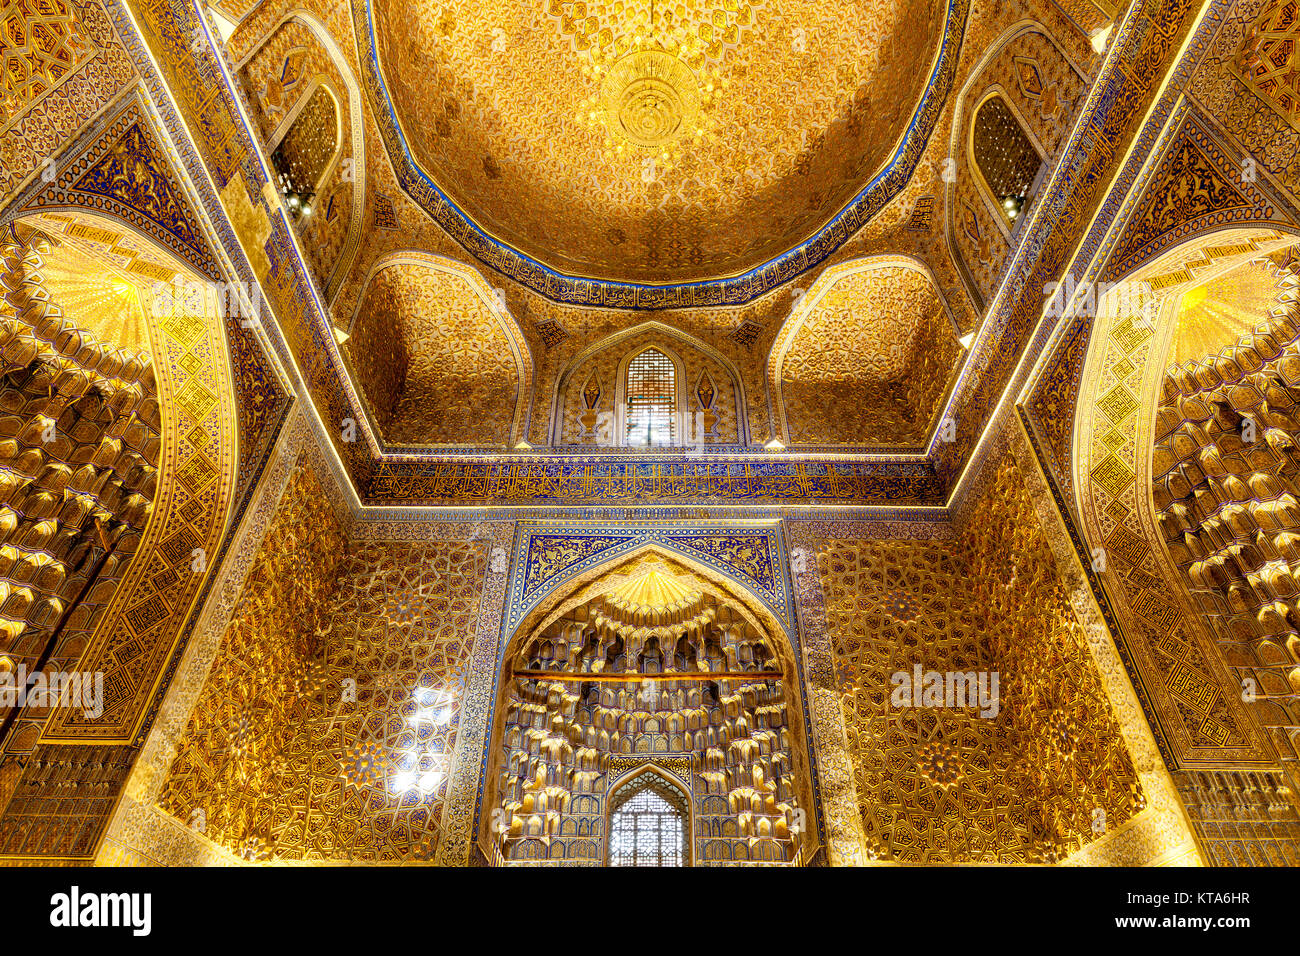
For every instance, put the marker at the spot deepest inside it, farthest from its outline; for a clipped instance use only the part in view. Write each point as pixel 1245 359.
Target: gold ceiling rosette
pixel 654 66
pixel 651 99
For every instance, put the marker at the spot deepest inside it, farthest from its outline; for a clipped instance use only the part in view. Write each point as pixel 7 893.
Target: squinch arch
pixel 437 357
pixel 872 341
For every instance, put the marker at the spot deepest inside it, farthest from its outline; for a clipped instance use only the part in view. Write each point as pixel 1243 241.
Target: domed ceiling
pixel 656 142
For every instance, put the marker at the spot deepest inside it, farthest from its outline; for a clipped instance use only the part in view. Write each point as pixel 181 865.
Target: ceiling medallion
pixel 651 99
pixel 655 68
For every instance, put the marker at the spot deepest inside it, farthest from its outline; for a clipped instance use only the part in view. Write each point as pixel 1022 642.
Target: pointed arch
pixel 972 93
pixel 997 98
pixel 629 778
pixel 563 594
pixel 1123 379
pixel 623 398
pixel 325 86
pixel 666 333
pixel 666 785
pixel 486 299
pixel 187 399
pixel 354 134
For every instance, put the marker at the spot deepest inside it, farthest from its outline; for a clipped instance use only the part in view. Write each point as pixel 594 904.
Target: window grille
pixel 304 154
pixel 1005 157
pixel 651 399
pixel 646 831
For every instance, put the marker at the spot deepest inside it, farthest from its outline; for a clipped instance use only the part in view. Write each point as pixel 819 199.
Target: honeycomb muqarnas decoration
pixel 79 446
pixel 1226 474
pixel 562 736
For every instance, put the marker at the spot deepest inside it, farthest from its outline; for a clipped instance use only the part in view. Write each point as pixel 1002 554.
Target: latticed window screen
pixel 646 830
pixel 307 148
pixel 1005 156
pixel 651 399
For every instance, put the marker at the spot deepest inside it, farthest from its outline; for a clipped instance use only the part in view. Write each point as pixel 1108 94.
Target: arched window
pixel 1005 157
pixel 646 828
pixel 651 399
pixel 303 156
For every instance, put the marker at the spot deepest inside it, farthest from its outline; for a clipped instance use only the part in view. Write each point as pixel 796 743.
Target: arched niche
pixel 294 146
pixel 280 68
pixel 590 390
pixel 144 438
pixel 1120 432
pixel 866 357
pixel 532 653
pixel 1038 75
pixel 1008 162
pixel 437 358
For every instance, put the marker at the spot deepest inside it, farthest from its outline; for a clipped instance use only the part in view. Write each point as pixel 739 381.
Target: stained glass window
pixel 1005 156
pixel 651 399
pixel 646 830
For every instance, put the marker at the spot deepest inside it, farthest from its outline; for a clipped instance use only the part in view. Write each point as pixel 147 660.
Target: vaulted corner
pixel 438 360
pixel 865 358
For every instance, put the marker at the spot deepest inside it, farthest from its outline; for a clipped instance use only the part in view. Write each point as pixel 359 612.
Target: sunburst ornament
pixel 102 303
pixel 652 104
pixel 656 68
pixel 364 765
pixel 1220 312
pixel 653 604
pixel 901 606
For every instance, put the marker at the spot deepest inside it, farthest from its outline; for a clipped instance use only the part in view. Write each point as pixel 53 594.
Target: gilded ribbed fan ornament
pixel 653 604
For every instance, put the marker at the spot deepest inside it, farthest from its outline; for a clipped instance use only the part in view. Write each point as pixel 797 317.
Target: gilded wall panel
pixel 1058 704
pixel 346 757
pixel 257 684
pixel 1026 783
pixel 64 46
